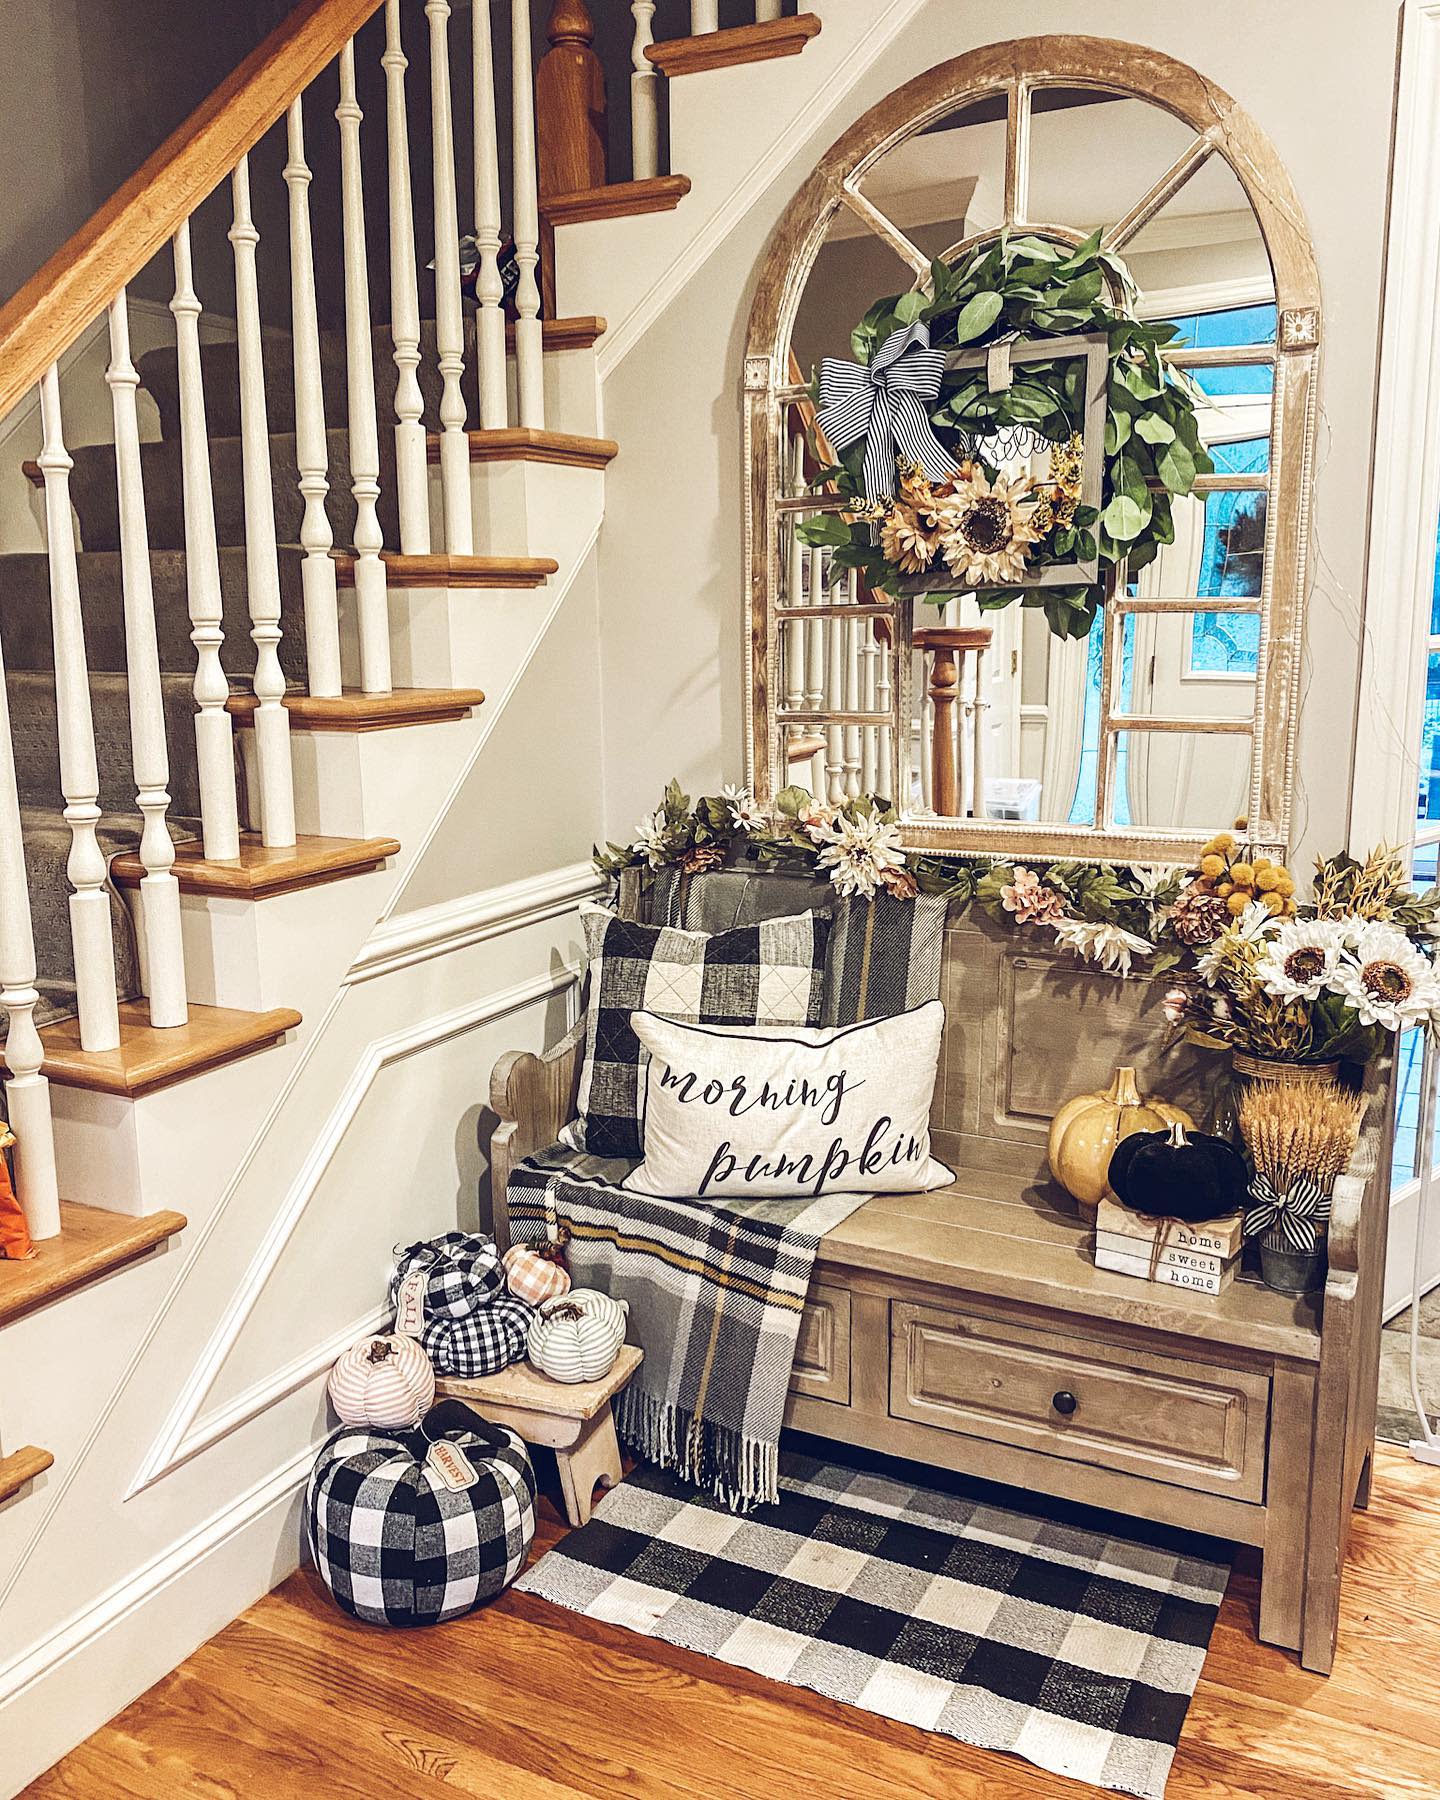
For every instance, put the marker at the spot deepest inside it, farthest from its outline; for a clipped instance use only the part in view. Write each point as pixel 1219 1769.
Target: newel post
pixel 570 104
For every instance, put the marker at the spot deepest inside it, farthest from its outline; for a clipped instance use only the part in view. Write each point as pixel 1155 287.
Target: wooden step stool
pixel 572 1418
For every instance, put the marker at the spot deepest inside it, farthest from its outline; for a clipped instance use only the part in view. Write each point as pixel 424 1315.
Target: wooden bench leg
pixel 1287 1508
pixel 593 1457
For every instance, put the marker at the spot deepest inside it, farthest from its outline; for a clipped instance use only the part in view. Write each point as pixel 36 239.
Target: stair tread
pixel 22 1466
pixel 261 871
pixel 616 200
pixel 440 570
pixel 520 443
pixel 91 1243
pixel 761 42
pixel 150 1058
pixel 356 711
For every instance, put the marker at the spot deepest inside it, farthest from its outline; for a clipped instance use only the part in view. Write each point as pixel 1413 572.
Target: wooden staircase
pixel 217 609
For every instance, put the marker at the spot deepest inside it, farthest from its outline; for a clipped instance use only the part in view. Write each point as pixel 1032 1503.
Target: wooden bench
pixel 954 1327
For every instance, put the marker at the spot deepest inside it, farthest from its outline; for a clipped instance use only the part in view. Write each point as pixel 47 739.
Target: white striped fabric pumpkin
pixel 577 1336
pixel 384 1381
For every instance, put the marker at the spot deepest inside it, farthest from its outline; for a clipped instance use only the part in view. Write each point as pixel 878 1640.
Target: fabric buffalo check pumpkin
pixel 771 973
pixel 1041 1633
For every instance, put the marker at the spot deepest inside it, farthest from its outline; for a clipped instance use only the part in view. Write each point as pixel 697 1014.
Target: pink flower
pixel 1030 900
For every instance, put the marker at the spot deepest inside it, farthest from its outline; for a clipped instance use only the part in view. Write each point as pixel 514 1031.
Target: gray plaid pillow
pixel 771 973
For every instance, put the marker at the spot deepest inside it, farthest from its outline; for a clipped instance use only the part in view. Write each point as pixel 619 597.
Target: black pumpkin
pixel 1178 1174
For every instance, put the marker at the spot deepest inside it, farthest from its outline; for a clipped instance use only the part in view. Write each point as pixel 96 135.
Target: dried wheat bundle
pixel 1298 1131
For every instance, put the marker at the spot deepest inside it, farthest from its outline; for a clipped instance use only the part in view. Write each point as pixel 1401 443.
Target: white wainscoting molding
pixel 1206 296
pixel 126 1597
pixel 180 1438
pixel 1400 568
pixel 452 925
pixel 617 344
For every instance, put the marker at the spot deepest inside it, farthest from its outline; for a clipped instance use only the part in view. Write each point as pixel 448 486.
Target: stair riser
pixel 37 759
pixel 220 362
pixel 92 489
pixel 25 614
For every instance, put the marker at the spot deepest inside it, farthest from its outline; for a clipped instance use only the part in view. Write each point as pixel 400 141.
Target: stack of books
pixel 1200 1257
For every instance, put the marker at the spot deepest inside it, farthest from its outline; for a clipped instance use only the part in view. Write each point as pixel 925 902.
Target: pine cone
pixel 1197 918
pixel 700 857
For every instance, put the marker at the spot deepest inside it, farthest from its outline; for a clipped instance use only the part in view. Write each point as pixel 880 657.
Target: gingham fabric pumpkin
pixel 534 1275
pixel 382 1381
pixel 391 1540
pixel 577 1336
pixel 462 1271
pixel 485 1340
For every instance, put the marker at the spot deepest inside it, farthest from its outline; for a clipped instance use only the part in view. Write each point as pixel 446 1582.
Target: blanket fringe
pixel 741 1472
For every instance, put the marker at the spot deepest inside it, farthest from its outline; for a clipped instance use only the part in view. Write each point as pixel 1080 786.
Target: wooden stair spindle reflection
pixel 570 104
pixel 949 648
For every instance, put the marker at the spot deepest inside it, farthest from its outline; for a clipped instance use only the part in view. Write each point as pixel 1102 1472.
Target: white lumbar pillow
pixel 743 1112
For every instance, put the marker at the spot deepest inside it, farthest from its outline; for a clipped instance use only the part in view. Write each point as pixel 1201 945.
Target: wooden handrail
pixel 46 316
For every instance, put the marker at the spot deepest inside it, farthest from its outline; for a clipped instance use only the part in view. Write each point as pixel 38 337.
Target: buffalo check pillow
pixel 770 973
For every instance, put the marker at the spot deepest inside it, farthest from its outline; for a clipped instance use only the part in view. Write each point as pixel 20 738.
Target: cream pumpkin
pixel 577 1336
pixel 1085 1131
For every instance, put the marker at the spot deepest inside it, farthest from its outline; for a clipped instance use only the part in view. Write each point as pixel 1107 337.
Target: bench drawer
pixel 1194 1424
pixel 822 1351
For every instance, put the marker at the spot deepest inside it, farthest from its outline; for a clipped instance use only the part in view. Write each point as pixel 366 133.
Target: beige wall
pixel 1317 75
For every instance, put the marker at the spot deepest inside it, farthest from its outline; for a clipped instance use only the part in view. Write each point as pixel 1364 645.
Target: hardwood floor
pixel 528 1702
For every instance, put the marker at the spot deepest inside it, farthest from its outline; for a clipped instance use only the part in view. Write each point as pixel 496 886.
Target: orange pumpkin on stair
pixel 15 1242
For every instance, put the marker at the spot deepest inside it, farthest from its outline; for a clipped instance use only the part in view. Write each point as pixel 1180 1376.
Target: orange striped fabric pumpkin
pixel 383 1381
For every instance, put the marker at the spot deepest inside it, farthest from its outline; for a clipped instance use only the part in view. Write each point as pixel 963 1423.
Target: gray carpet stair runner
pixel 25 629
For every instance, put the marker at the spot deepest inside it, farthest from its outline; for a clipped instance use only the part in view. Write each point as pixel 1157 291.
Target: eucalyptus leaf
pixel 977 316
pixel 1176 468
pixel 1155 429
pixel 909 307
pixel 1125 518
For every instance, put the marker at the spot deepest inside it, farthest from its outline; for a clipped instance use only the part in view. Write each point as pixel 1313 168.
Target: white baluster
pixel 525 202
pixel 980 707
pixel 815 661
pixel 449 325
pixel 27 1092
pixel 214 737
pixel 884 703
pixel 852 628
pixel 920 684
pixel 159 890
pixel 262 565
pixel 869 652
pixel 489 289
pixel 411 475
pixel 834 702
pixel 371 606
pixel 962 718
pixel 79 772
pixel 766 9
pixel 704 16
pixel 644 96
pixel 312 456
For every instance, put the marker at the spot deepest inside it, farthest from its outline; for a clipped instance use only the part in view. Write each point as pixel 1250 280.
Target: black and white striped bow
pixel 1295 1214
pixel 888 404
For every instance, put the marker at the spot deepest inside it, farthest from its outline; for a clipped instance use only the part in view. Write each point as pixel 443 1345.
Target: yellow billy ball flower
pixel 1285 884
pixel 1242 874
pixel 1237 903
pixel 1212 866
pixel 1225 889
pixel 1273 903
pixel 1266 879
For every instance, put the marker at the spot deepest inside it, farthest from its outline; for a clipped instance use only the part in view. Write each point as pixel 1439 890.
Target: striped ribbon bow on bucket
pixel 1294 1215
pixel 887 402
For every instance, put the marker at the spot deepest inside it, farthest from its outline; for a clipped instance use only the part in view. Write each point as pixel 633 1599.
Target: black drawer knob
pixel 1064 1403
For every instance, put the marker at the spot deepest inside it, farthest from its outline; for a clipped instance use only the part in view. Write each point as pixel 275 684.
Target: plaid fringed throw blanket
pixel 715 1292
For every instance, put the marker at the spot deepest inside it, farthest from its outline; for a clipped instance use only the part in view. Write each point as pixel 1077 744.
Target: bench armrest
pixel 535 1098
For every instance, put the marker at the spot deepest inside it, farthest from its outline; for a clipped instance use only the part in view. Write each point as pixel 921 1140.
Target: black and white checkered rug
pixel 1076 1650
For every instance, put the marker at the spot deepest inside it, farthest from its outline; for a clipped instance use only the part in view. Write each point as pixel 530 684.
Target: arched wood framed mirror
pixel 1176 714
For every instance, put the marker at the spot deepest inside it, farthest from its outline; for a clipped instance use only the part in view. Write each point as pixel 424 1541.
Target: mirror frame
pixel 1222 128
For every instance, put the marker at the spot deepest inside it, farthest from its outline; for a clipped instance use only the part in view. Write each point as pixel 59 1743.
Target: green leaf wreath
pixel 1034 288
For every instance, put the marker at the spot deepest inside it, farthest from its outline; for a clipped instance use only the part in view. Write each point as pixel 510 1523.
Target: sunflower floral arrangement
pixel 987 527
pixel 1330 979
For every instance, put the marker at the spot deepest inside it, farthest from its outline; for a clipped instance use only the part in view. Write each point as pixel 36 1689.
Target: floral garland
pixel 989 531
pixel 1105 913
